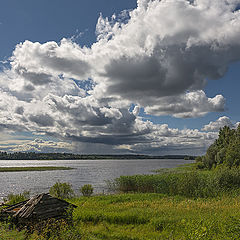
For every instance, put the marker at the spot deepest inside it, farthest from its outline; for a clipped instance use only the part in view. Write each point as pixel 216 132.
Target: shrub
pixel 16 198
pixel 86 190
pixel 200 165
pixel 61 190
pixel 227 178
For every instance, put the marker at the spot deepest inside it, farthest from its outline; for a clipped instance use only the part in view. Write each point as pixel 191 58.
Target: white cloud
pixel 136 110
pixel 111 112
pixel 157 56
pixel 219 123
pixel 192 104
pixel 151 56
pixel 37 145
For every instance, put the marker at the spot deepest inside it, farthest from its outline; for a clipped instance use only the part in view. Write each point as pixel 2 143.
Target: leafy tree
pixel 233 151
pixel 224 137
pixel 221 156
pixel 210 157
pixel 225 150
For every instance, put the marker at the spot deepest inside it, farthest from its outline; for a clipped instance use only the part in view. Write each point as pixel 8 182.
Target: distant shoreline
pixel 71 156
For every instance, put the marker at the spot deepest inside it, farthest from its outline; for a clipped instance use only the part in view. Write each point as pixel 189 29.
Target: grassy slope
pixel 155 216
pixel 21 169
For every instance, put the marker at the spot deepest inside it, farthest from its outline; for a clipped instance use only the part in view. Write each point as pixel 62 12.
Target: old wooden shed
pixel 38 208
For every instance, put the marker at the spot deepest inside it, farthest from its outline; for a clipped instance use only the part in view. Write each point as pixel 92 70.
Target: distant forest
pixel 71 156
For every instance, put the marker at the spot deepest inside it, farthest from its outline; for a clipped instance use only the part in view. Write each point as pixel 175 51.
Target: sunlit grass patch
pixel 155 216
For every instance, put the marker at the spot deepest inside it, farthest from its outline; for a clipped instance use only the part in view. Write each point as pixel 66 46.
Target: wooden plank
pixel 25 211
pixel 43 206
pixel 52 201
pixel 59 209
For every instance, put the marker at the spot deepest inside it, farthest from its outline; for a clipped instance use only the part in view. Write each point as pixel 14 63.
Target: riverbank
pixel 151 216
pixel 187 181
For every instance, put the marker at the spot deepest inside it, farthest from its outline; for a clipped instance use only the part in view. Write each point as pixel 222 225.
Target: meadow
pixel 145 212
pixel 144 216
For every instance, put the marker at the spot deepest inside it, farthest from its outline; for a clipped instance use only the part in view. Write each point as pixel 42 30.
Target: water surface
pixel 93 172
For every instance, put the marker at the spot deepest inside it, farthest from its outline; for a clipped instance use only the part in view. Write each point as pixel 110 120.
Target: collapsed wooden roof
pixel 40 207
pixel 10 210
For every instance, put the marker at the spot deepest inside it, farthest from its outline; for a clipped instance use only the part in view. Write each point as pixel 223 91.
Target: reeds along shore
pixel 187 182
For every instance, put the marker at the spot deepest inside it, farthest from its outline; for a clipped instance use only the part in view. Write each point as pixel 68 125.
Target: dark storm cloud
pixel 43 120
pixel 19 110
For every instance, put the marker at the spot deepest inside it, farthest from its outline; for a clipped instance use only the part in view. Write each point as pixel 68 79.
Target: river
pixel 93 172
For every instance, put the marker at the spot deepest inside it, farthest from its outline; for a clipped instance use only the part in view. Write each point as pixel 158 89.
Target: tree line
pixel 71 156
pixel 224 151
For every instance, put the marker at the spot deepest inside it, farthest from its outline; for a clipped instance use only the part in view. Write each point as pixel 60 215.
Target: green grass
pixel 185 181
pixel 7 234
pixel 157 216
pixel 180 168
pixel 25 169
pixel 16 198
pixel 148 216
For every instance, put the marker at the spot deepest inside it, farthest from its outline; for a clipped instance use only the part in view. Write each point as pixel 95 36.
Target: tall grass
pixel 13 234
pixel 187 183
pixel 157 216
pixel 16 198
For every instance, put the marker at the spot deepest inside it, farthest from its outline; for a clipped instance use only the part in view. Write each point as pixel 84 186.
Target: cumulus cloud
pixel 219 123
pixel 166 140
pixel 157 57
pixel 168 48
pixel 39 145
pixel 162 49
pixel 38 62
pixel 191 104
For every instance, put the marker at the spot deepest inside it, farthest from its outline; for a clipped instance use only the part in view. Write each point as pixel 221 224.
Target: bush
pixel 86 190
pixel 227 178
pixel 61 190
pixel 200 165
pixel 16 198
pixel 189 184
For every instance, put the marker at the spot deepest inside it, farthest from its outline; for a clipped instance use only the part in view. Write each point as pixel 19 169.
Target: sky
pixel 118 77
